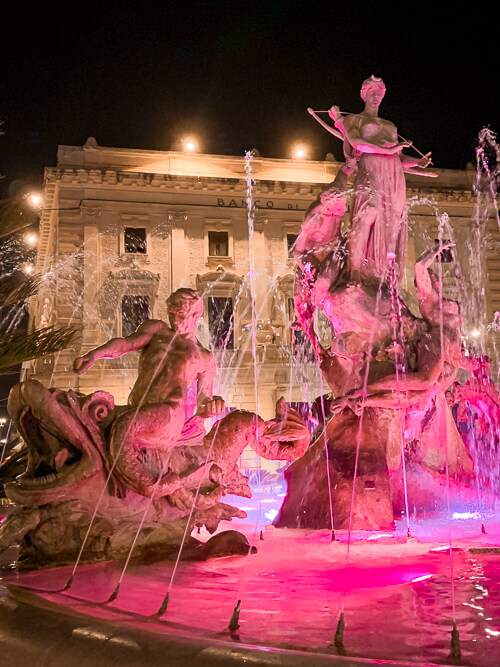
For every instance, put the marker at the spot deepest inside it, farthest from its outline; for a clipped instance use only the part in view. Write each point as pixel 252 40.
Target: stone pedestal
pixel 307 504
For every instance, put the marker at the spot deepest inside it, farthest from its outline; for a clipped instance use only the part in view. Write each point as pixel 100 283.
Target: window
pixel 135 309
pixel 218 244
pixel 135 240
pixel 220 322
pixel 290 241
pixel 445 256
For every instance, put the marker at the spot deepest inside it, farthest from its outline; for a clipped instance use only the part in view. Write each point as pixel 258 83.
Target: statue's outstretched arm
pixel 419 172
pixel 421 380
pixel 208 405
pixel 425 288
pixel 327 127
pixel 418 381
pixel 427 258
pixel 117 347
pixel 421 162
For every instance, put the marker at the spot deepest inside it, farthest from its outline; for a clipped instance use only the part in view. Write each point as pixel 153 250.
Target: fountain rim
pixel 227 653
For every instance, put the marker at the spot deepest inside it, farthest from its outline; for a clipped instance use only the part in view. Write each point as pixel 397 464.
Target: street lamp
pixel 31 239
pixel 35 200
pixel 190 145
pixel 300 152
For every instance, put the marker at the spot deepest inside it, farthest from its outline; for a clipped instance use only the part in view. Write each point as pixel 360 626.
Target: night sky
pixel 237 74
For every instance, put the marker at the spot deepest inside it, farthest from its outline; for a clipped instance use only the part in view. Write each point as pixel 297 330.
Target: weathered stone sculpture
pixel 151 457
pixel 374 154
pixel 353 278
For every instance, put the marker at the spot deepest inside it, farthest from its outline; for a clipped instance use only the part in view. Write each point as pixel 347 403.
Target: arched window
pixel 222 294
pixel 125 300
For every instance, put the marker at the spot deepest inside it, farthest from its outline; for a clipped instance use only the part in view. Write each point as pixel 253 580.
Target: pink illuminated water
pixel 396 595
pixel 397 603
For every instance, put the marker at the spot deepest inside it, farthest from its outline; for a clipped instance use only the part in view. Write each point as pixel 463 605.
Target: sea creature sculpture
pixel 93 467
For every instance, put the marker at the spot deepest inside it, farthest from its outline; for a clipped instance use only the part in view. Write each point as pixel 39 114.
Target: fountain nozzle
pixel 235 618
pixel 338 640
pixel 456 654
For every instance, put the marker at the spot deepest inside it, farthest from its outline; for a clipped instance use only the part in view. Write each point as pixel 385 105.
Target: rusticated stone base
pixel 307 503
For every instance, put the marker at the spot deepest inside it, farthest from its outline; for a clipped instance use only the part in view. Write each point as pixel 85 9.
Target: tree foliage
pixel 17 345
pixel 16 287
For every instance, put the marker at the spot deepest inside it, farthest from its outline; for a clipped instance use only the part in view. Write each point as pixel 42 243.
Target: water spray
pixel 396 319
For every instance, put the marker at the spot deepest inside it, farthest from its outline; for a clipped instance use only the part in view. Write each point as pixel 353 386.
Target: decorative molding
pixel 177 219
pixel 219 284
pixel 132 217
pixel 219 263
pixel 217 224
pixel 90 211
pixel 274 188
pixel 260 221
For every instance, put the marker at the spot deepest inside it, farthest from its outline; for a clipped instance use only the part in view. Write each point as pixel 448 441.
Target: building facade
pixel 121 229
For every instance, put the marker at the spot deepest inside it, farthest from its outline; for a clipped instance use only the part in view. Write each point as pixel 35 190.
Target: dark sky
pixel 238 74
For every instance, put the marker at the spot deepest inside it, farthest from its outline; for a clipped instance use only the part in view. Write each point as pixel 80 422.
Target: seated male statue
pixel 155 444
pixel 159 414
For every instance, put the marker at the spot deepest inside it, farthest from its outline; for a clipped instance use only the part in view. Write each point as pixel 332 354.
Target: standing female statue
pixel 379 217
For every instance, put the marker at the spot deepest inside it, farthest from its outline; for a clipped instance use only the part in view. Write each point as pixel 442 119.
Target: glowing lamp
pixel 475 333
pixel 299 152
pixel 189 144
pixel 29 268
pixel 35 200
pixel 31 239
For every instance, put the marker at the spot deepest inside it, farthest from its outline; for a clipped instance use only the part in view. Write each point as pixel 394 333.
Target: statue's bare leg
pixel 139 444
pixel 358 242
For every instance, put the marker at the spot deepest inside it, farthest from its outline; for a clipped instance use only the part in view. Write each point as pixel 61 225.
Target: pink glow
pixel 291 592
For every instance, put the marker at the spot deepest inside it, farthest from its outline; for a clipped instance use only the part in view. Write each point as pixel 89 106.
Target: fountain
pixel 390 505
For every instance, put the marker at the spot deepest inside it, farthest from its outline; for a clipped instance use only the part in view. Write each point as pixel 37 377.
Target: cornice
pixel 125 180
pixel 139 180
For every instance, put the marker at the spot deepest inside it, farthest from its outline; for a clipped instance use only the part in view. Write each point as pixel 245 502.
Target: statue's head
pixel 185 307
pixel 373 85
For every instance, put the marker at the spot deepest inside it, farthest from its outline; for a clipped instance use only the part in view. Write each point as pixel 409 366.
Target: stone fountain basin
pixel 396 596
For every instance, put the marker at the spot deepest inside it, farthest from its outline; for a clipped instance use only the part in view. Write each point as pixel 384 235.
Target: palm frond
pixel 17 286
pixel 19 346
pixel 15 214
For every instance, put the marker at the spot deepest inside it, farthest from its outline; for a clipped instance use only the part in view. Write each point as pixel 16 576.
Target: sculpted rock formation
pixel 151 458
